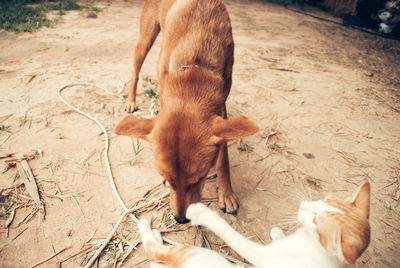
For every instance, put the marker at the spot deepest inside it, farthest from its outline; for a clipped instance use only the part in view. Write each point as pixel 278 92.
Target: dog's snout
pixel 181 220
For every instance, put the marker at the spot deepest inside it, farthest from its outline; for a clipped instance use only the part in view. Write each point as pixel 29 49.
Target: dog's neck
pixel 187 89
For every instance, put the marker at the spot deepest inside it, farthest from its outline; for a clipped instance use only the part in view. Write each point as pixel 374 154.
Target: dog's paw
pixel 228 202
pixel 276 233
pixel 130 106
pixel 199 214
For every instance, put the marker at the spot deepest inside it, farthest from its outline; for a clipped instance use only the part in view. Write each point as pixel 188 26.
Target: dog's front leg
pixel 228 201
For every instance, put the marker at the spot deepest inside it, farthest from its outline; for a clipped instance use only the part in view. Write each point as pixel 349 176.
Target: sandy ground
pixel 326 99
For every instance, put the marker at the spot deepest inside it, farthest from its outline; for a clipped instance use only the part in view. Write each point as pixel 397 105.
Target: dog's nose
pixel 181 220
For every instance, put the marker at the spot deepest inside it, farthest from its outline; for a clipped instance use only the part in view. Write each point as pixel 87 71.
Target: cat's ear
pixel 233 128
pixel 135 127
pixel 353 246
pixel 362 198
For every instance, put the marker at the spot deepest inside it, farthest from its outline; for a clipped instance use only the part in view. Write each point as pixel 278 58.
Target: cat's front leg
pixel 200 214
pixel 147 234
pixel 150 236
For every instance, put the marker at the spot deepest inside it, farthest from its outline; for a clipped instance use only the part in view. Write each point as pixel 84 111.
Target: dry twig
pixel 26 175
pixel 50 257
pixel 15 237
pixel 109 237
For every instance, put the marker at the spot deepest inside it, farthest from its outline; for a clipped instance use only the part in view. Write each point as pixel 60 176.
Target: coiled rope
pixel 109 172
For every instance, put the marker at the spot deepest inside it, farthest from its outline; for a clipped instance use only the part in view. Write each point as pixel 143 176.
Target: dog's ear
pixel 134 127
pixel 234 128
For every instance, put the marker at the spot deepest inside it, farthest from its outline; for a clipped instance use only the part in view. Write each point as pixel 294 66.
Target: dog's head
pixel 185 148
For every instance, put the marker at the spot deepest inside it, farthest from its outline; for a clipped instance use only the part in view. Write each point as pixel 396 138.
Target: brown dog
pixel 195 73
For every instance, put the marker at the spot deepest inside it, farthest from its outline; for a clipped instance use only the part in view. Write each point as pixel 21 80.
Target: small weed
pixel 151 93
pixel 8 210
pixel 32 77
pixel 94 9
pixel 150 86
pixel 10 199
pixel 166 216
pixel 91 12
pixel 168 220
pixel 137 148
pixel 6 205
pixel 60 136
pixel 91 15
pixel 115 251
pixel 5 128
pixel 62 6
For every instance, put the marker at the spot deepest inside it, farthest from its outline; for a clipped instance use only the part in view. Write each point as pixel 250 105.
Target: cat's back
pixel 298 250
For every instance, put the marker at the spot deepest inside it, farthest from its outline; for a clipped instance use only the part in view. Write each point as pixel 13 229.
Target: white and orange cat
pixel 333 233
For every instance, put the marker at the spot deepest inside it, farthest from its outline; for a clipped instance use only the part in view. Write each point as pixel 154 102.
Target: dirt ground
pixel 326 99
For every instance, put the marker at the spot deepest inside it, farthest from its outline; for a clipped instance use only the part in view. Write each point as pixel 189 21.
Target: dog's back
pixel 195 33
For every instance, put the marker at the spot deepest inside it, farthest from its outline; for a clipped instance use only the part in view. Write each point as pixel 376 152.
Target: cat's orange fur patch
pixel 173 256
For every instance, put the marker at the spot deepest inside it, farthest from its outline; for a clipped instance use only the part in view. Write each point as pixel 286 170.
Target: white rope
pixel 108 166
pixel 110 175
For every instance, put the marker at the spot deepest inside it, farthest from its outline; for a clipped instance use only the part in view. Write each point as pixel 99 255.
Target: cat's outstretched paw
pixel 276 233
pixel 199 214
pixel 147 234
pixel 157 236
pixel 145 230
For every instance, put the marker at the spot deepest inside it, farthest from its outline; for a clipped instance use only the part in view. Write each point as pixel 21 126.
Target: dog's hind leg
pixel 149 29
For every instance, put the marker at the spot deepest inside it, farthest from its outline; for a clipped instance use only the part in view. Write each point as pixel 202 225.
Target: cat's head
pixel 340 226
